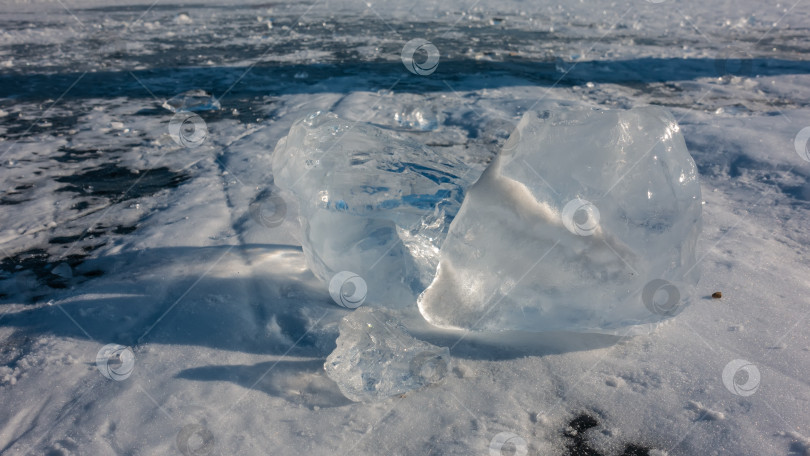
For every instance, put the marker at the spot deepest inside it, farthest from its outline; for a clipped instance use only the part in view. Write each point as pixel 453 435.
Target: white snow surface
pixel 114 233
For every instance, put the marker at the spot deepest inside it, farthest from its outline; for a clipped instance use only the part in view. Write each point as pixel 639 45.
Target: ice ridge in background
pixel 587 221
pixel 371 202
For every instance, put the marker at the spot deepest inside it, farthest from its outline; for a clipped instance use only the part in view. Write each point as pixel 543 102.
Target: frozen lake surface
pixel 115 231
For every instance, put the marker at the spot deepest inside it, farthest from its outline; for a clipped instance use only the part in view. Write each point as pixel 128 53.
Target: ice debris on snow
pixel 371 201
pixel 799 443
pixel 192 101
pixel 586 221
pixel 376 358
pixel 417 118
pixel 182 19
pixel 63 270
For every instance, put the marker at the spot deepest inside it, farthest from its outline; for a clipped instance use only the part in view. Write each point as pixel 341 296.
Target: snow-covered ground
pixel 113 233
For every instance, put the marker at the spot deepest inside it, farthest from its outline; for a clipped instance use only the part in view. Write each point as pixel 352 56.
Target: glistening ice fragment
pixel 371 202
pixel 587 221
pixel 376 358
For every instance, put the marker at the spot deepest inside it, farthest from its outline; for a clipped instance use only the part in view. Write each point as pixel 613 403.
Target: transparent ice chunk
pixel 376 358
pixel 417 118
pixel 372 202
pixel 586 221
pixel 192 101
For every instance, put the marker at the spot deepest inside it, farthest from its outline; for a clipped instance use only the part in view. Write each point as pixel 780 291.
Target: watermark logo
pixel 741 377
pixel 503 442
pixel 420 45
pixel 652 297
pixel 188 130
pixel 348 289
pixel 195 440
pixel 580 217
pixel 511 142
pixel 115 362
pixel 429 367
pixel 801 143
pixel 268 210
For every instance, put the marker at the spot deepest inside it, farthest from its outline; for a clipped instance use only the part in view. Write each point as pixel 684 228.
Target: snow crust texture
pixel 586 221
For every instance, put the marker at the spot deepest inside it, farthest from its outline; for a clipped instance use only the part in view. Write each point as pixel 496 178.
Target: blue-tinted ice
pixel 371 202
pixel 586 221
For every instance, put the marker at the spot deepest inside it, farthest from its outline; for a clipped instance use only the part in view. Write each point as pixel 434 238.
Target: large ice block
pixel 376 358
pixel 372 202
pixel 586 221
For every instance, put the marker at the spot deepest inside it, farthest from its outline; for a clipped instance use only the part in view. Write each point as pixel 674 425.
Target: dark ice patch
pixel 119 183
pixel 76 155
pixel 40 263
pixel 577 443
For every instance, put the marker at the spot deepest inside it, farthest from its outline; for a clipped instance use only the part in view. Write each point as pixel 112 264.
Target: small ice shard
pixel 182 19
pixel 371 202
pixel 417 118
pixel 587 221
pixel 192 101
pixel 376 358
pixel 62 270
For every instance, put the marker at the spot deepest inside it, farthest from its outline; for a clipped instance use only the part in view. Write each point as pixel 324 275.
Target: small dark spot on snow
pixel 124 229
pixel 80 206
pixel 119 183
pixel 717 295
pixel 578 445
pixel 635 450
pixel 65 239
pixel 94 273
